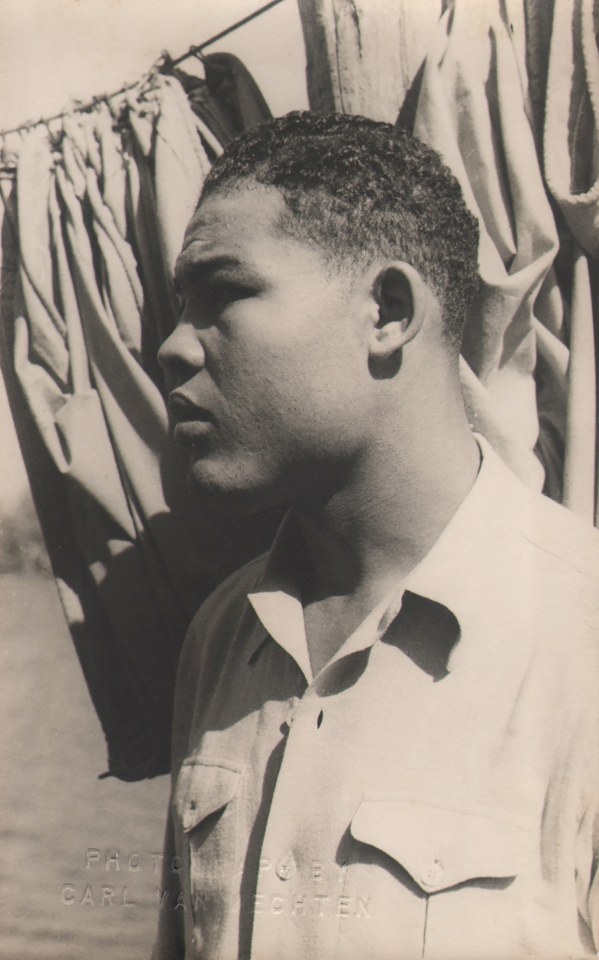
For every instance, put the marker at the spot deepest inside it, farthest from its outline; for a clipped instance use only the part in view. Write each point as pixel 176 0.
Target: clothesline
pixel 164 64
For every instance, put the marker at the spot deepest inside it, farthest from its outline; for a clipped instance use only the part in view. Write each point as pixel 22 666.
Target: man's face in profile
pixel 269 359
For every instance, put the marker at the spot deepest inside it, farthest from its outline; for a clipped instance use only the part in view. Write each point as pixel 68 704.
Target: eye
pixel 179 303
pixel 207 298
pixel 179 296
pixel 220 294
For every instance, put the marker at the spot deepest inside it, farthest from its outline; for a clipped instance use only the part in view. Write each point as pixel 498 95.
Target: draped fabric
pixel 93 217
pixel 93 212
pixel 509 96
pixel 228 100
pixel 362 55
pixel 508 92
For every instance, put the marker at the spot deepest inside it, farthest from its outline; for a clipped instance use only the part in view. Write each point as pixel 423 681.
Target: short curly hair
pixel 363 190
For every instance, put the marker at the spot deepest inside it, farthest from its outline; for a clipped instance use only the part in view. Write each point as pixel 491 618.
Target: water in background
pixel 79 856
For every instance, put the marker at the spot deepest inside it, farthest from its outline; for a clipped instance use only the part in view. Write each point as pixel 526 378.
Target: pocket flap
pixel 204 786
pixel 441 847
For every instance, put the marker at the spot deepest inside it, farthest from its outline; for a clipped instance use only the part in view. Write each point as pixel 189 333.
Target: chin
pixel 227 495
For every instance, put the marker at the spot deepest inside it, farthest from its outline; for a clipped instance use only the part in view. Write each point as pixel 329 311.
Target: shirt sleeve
pixel 170 938
pixel 199 665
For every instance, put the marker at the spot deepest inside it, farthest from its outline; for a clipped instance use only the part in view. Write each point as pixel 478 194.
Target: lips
pixel 184 410
pixel 191 422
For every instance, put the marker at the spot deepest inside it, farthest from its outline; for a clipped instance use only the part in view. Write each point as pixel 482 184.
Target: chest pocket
pixel 206 801
pixel 442 882
pixel 441 847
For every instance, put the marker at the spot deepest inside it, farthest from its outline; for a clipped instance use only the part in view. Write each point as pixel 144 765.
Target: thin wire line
pixel 77 108
pixel 164 62
pixel 193 51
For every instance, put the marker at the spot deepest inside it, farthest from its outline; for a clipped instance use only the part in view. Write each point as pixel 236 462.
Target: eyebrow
pixel 189 267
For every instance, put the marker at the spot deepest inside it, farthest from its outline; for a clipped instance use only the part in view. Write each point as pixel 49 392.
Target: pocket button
pixel 432 875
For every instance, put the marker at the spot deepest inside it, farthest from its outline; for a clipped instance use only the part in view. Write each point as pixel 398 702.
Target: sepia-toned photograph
pixel 299 568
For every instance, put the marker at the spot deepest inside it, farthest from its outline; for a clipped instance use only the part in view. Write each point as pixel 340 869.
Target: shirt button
pixel 432 874
pixel 286 867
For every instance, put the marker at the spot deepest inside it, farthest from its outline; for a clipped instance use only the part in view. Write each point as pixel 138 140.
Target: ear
pixel 403 300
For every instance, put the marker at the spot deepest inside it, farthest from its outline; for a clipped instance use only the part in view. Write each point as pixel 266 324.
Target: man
pixel 385 740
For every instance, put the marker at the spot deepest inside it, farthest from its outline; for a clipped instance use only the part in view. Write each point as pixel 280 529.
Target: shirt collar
pixel 276 597
pixel 467 570
pixel 471 548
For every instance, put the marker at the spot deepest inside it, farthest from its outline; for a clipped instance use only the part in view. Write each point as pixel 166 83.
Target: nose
pixel 181 355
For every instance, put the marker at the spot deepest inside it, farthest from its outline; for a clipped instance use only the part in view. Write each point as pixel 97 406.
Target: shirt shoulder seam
pixel 581 567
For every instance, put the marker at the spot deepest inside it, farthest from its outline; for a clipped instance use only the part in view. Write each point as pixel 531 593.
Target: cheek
pixel 300 378
pixel 312 411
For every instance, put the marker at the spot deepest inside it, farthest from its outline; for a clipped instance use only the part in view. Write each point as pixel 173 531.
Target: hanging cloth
pixel 228 100
pixel 472 109
pixel 93 219
pixel 571 162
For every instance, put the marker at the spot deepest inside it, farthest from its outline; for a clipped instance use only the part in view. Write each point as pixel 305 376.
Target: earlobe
pixel 402 299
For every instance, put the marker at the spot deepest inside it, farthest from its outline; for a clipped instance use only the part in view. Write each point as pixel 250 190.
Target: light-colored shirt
pixel 432 792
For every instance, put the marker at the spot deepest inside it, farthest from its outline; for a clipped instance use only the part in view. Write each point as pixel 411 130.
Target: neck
pixel 369 535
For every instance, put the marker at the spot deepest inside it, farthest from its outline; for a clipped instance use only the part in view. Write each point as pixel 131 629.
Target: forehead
pixel 241 223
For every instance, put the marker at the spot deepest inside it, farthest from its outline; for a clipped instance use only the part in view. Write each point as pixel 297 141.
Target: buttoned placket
pixel 288 884
pixel 292 887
